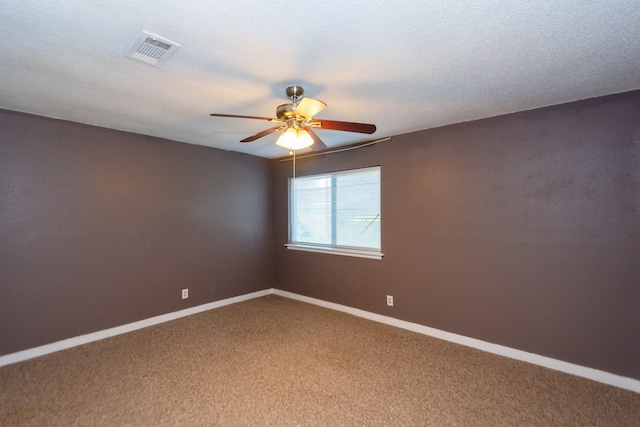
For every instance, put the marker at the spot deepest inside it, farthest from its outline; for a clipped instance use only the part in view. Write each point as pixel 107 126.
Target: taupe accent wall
pixel 521 230
pixel 101 228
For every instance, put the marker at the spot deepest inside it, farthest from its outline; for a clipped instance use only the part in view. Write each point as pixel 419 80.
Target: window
pixel 336 212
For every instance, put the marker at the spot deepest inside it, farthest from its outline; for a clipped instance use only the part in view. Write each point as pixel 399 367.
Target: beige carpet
pixel 274 361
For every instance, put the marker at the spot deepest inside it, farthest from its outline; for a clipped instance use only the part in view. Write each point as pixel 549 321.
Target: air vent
pixel 151 49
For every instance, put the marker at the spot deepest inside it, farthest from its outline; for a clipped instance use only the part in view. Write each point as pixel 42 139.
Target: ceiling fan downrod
pixel 294 93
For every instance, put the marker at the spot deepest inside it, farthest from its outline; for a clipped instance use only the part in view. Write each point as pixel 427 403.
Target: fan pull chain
pixel 293 190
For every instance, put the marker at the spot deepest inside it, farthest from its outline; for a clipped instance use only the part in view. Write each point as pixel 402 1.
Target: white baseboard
pixel 555 364
pixel 106 333
pixel 558 365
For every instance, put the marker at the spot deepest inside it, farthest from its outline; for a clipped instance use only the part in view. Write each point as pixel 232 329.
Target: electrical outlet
pixel 185 293
pixel 390 300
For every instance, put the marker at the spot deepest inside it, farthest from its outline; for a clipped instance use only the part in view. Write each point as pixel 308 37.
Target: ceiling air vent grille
pixel 151 49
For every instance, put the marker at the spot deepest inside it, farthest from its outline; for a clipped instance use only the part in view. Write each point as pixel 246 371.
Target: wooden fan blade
pixel 263 133
pixel 344 126
pixel 244 117
pixel 317 142
pixel 308 107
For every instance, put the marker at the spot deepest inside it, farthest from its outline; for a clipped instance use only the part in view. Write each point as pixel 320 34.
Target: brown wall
pixel 100 228
pixel 521 230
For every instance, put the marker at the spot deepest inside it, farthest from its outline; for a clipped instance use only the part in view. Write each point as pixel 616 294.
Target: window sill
pixel 335 251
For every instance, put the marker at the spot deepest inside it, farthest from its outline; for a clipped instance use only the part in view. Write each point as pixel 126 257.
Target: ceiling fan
pixel 297 123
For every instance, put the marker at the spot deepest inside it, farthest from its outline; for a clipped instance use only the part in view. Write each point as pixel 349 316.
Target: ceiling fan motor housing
pixel 283 112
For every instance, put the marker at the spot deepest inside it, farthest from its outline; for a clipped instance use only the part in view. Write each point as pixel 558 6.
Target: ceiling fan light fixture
pixel 295 138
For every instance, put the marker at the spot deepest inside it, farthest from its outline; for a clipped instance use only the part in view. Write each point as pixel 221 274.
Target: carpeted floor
pixel 275 361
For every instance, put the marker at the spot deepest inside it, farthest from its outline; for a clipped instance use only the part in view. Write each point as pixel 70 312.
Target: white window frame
pixel 331 249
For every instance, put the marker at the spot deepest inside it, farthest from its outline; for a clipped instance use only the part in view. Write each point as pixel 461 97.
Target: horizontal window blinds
pixel 339 210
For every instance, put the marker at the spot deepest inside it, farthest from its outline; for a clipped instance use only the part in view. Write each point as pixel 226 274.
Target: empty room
pixel 320 213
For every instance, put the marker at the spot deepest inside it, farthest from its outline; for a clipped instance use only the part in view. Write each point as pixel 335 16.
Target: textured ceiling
pixel 403 65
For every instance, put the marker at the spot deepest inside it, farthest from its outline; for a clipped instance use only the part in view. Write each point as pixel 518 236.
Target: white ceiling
pixel 404 65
